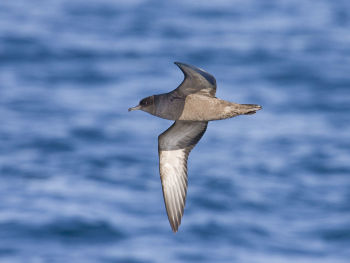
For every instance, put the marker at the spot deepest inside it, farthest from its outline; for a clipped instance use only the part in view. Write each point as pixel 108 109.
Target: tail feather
pixel 250 108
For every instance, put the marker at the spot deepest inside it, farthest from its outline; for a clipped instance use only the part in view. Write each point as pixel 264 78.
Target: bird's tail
pixel 248 109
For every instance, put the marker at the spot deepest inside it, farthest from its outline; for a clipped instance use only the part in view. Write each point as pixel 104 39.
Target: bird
pixel 191 105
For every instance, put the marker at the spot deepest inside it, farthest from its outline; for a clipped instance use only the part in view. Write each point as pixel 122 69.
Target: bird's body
pixel 191 105
pixel 197 107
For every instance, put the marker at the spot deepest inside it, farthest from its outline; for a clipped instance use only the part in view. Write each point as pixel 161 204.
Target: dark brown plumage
pixel 191 105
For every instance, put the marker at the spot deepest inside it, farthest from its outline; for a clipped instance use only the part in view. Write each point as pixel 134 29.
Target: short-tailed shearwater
pixel 191 106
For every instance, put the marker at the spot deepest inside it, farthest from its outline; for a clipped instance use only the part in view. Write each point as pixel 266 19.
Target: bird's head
pixel 146 104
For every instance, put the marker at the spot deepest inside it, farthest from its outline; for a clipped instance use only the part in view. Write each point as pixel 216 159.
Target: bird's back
pixel 204 108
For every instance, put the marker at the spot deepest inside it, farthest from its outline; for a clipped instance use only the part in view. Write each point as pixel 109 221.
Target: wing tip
pixel 190 69
pixel 174 226
pixel 181 66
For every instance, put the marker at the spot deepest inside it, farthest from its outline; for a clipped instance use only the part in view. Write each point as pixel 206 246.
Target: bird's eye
pixel 146 102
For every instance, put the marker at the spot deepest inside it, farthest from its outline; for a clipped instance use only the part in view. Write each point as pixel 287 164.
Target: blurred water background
pixel 79 175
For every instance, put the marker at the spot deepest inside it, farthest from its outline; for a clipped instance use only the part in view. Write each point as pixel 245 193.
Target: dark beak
pixel 135 108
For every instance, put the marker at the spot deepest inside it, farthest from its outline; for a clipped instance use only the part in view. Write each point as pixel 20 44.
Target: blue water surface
pixel 79 177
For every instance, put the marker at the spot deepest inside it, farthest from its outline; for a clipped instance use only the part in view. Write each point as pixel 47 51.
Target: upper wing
pixel 174 146
pixel 196 81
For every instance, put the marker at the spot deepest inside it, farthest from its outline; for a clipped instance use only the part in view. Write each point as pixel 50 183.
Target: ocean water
pixel 79 177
